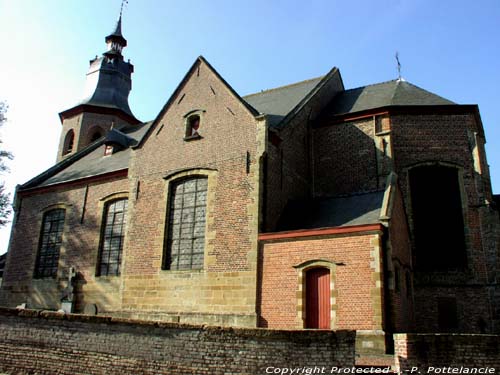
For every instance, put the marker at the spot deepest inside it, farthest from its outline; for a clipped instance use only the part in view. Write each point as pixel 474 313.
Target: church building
pixel 307 206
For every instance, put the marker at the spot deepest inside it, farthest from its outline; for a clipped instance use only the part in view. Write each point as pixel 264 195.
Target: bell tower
pixel 105 101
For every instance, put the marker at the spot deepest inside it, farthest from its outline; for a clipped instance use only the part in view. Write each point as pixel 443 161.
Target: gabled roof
pixel 278 102
pixel 179 87
pixel 351 210
pixel 90 161
pixel 392 93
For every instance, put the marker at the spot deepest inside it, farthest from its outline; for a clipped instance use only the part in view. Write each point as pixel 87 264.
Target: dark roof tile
pixel 278 102
pixel 391 93
pixel 351 210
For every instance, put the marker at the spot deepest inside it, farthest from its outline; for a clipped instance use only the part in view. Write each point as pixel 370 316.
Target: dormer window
pixel 193 123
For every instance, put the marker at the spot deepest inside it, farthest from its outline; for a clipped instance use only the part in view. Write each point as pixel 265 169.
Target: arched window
pixel 50 243
pixel 112 237
pixel 437 216
pixel 185 239
pixel 95 134
pixel 69 142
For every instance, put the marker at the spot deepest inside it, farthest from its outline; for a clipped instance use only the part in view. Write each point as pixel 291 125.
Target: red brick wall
pixel 354 279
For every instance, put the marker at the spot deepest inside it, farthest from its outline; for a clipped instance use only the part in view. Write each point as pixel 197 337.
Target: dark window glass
pixel 193 125
pixel 95 136
pixel 438 222
pixel 69 142
pixel 50 243
pixel 110 254
pixel 185 241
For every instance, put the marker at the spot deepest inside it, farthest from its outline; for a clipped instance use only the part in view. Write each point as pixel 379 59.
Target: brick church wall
pixel 228 152
pixel 41 342
pixel 345 159
pixel 399 255
pixel 289 161
pixel 79 249
pixel 449 138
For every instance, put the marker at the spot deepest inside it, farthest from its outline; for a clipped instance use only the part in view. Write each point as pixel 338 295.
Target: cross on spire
pixel 121 7
pixel 399 66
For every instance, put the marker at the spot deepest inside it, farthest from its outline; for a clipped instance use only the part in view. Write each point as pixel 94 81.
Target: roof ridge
pixel 398 81
pixel 373 84
pixel 285 86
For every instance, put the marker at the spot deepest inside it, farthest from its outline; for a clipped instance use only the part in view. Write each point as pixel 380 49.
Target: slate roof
pixel 90 161
pixel 278 102
pixel 391 93
pixel 351 210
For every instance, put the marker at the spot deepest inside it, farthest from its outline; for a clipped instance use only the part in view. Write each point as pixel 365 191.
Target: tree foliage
pixel 5 206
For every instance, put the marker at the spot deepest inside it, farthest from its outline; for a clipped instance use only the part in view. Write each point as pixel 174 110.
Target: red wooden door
pixel 318 298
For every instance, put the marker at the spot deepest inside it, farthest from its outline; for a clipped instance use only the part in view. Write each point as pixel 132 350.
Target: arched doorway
pixel 318 298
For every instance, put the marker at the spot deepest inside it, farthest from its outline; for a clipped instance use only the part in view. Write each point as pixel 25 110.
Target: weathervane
pixel 121 8
pixel 399 65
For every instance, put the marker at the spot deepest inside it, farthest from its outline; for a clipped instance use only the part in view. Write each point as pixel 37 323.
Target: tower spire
pixel 115 41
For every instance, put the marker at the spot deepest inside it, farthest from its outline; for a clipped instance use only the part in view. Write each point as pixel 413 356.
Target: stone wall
pixel 423 352
pixel 50 343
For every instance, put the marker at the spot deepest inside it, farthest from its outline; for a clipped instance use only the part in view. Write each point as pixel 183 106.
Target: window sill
pixel 192 137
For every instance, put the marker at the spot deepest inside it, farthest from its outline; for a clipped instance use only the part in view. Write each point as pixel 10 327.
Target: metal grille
pixel 50 243
pixel 110 258
pixel 185 240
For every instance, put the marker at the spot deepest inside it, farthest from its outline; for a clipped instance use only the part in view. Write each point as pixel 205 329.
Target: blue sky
pixel 451 48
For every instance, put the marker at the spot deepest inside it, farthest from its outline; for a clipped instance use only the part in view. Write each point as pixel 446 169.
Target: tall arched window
pixel 50 243
pixel 185 239
pixel 113 234
pixel 437 216
pixel 69 142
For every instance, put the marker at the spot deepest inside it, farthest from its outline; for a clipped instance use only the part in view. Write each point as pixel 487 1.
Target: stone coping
pixel 109 320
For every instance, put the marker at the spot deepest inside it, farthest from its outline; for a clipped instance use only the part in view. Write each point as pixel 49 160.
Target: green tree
pixel 5 205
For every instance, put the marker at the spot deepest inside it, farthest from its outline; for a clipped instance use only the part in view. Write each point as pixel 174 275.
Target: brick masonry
pixel 50 343
pixel 424 351
pixel 355 294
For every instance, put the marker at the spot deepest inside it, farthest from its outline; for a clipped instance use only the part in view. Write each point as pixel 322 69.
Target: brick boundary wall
pixel 44 342
pixel 443 351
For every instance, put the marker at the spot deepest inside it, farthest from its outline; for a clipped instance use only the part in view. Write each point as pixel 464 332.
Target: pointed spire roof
pixel 117 35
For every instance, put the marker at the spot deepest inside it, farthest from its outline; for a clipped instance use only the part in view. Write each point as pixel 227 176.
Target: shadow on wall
pixel 430 353
pixel 79 252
